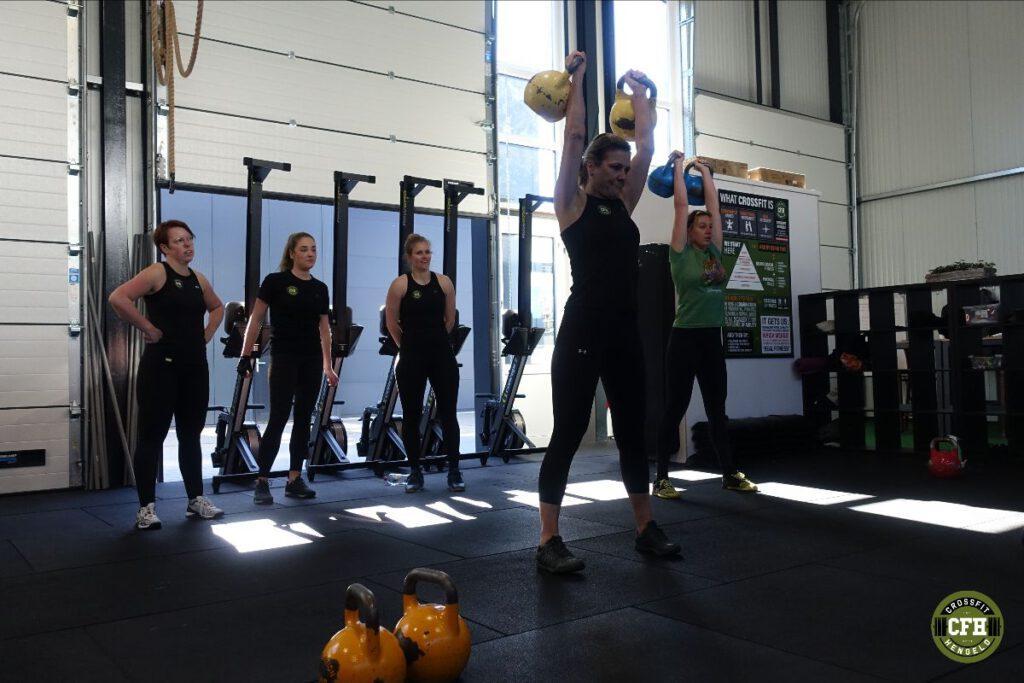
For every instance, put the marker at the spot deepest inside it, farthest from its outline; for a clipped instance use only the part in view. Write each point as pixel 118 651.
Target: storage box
pixel 771 175
pixel 736 169
pixel 985 314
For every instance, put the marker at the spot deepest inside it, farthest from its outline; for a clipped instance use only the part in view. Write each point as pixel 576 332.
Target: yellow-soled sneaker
pixel 664 489
pixel 737 481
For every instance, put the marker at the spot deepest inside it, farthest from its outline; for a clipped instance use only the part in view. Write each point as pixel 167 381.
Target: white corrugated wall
pixel 798 137
pixel 386 89
pixel 35 351
pixel 941 98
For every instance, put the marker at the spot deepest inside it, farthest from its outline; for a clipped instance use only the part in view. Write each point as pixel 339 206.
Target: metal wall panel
pixel 33 118
pixel 44 347
pixel 835 268
pixel 766 126
pixel 996 85
pixel 803 57
pixel 881 243
pixel 878 122
pixel 33 283
pixel 45 428
pixel 210 149
pixel 834 224
pixel 723 51
pixel 828 177
pixel 458 12
pixel 234 80
pixel 33 200
pixel 34 36
pixel 1001 223
pixel 350 34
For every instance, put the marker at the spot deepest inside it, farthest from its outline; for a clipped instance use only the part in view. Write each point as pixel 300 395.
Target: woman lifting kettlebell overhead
pixel 300 355
pixel 695 346
pixel 597 188
pixel 420 315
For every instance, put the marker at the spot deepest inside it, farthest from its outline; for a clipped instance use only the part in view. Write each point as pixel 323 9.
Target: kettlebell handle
pixel 361 603
pixel 689 166
pixel 951 440
pixel 435 576
pixel 573 65
pixel 645 80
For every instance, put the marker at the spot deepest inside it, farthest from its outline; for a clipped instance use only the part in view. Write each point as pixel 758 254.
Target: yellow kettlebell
pixel 435 638
pixel 622 117
pixel 362 652
pixel 547 93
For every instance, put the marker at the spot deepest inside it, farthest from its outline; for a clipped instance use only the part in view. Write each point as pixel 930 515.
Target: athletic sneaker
pixel 556 558
pixel 737 481
pixel 146 518
pixel 262 494
pixel 663 488
pixel 297 488
pixel 455 481
pixel 415 481
pixel 654 541
pixel 201 507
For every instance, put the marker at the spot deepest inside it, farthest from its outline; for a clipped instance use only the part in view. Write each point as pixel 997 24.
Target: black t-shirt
pixel 421 313
pixel 603 246
pixel 295 309
pixel 178 310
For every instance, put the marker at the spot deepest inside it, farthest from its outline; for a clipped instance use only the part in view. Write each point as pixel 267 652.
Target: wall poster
pixel 758 296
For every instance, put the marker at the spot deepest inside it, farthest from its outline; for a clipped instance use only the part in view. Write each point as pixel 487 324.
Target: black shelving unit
pixel 946 395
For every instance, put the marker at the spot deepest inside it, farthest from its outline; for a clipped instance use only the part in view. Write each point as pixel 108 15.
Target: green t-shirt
pixel 699 277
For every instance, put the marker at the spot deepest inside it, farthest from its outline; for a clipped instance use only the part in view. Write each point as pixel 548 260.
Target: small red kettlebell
pixel 945 459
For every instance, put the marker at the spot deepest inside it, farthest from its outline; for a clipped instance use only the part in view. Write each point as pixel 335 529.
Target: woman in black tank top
pixel 598 337
pixel 420 314
pixel 173 377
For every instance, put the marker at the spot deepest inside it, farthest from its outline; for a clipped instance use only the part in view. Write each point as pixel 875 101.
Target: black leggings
pixel 291 377
pixel 167 389
pixel 695 353
pixel 592 345
pixel 418 363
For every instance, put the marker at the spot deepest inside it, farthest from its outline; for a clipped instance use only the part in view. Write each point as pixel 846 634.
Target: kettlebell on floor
pixel 434 638
pixel 361 652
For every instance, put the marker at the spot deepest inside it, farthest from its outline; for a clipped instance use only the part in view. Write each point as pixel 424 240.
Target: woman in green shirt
pixel 695 347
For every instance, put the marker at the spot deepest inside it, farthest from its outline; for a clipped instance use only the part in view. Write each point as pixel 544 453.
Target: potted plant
pixel 961 270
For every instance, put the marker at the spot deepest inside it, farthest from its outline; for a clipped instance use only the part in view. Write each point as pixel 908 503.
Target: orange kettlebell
pixel 435 638
pixel 361 652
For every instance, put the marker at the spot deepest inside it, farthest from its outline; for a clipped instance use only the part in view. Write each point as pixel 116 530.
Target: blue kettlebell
pixel 661 182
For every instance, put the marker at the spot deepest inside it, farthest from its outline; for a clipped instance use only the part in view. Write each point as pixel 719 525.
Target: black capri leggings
pixel 166 389
pixel 592 345
pixel 291 377
pixel 695 353
pixel 418 363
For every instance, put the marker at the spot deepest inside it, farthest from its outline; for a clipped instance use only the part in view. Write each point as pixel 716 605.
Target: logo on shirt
pixel 417 294
pixel 713 271
pixel 179 284
pixel 604 210
pixel 293 290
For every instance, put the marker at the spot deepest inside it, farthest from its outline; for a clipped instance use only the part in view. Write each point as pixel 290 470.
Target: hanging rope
pixel 167 51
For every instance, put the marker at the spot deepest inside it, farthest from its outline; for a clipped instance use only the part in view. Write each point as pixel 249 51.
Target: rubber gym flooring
pixel 831 575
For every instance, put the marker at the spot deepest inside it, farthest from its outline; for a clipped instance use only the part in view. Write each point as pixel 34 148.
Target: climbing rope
pixel 167 51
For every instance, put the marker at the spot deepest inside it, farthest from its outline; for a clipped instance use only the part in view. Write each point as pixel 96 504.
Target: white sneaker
pixel 202 507
pixel 146 518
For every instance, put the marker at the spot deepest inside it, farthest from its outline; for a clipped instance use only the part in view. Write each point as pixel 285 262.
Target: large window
pixel 647 38
pixel 529 37
pixel 530 40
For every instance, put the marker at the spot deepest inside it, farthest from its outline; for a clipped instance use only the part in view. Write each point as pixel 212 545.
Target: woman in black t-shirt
pixel 300 353
pixel 173 378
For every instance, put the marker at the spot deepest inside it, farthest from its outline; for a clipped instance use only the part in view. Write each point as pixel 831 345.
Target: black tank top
pixel 421 313
pixel 603 246
pixel 177 309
